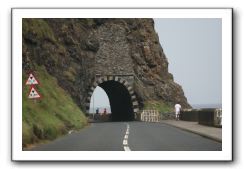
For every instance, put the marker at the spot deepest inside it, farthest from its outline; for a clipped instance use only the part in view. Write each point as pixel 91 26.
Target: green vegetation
pixel 164 109
pixel 37 28
pixel 52 115
pixel 161 107
pixel 70 74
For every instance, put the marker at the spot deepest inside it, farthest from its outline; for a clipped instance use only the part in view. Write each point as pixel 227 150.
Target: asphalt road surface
pixel 131 136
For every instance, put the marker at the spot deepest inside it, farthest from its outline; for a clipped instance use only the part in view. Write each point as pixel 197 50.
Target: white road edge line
pixel 125 141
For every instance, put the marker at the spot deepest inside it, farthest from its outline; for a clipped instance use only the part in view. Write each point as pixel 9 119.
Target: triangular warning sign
pixel 33 93
pixel 31 80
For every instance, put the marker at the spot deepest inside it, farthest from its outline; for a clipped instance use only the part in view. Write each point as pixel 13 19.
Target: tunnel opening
pixel 120 101
pixel 99 102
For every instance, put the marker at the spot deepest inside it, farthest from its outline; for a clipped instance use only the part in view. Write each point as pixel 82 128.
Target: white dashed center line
pixel 125 141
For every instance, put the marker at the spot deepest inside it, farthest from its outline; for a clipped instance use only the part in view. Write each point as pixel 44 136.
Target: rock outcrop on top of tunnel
pixel 75 50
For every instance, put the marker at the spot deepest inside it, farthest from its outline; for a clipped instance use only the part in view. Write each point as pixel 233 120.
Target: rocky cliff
pixel 75 50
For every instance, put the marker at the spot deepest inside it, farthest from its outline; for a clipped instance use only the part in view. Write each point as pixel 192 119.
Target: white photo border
pixel 227 137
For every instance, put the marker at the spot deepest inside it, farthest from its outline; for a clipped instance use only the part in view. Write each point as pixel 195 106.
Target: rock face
pixel 76 50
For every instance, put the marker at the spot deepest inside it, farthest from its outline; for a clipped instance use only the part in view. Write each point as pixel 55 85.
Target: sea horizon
pixel 199 106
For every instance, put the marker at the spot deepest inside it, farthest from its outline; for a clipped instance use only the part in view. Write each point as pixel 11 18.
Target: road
pixel 131 136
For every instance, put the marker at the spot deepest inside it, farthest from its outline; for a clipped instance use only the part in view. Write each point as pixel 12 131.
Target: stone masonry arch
pixel 123 86
pixel 82 53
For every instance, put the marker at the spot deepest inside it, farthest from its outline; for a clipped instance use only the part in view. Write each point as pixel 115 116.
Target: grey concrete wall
pixel 189 115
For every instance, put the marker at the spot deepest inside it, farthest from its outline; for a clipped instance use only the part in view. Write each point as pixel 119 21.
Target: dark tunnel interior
pixel 120 101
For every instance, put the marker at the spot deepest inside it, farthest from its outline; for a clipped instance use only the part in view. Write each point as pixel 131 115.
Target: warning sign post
pixel 33 94
pixel 31 80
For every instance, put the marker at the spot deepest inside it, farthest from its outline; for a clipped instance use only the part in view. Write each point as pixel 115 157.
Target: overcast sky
pixel 193 49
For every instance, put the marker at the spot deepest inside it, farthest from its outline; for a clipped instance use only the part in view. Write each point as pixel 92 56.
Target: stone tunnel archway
pixel 122 98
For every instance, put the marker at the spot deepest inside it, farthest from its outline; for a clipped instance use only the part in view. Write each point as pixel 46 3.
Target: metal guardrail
pixel 150 116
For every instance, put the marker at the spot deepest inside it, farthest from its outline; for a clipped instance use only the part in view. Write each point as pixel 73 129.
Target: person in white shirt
pixel 177 111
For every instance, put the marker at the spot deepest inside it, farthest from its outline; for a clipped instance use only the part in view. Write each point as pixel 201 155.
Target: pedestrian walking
pixel 105 111
pixel 177 111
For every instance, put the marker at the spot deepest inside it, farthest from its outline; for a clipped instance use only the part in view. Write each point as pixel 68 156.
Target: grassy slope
pixel 164 109
pixel 161 107
pixel 52 115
